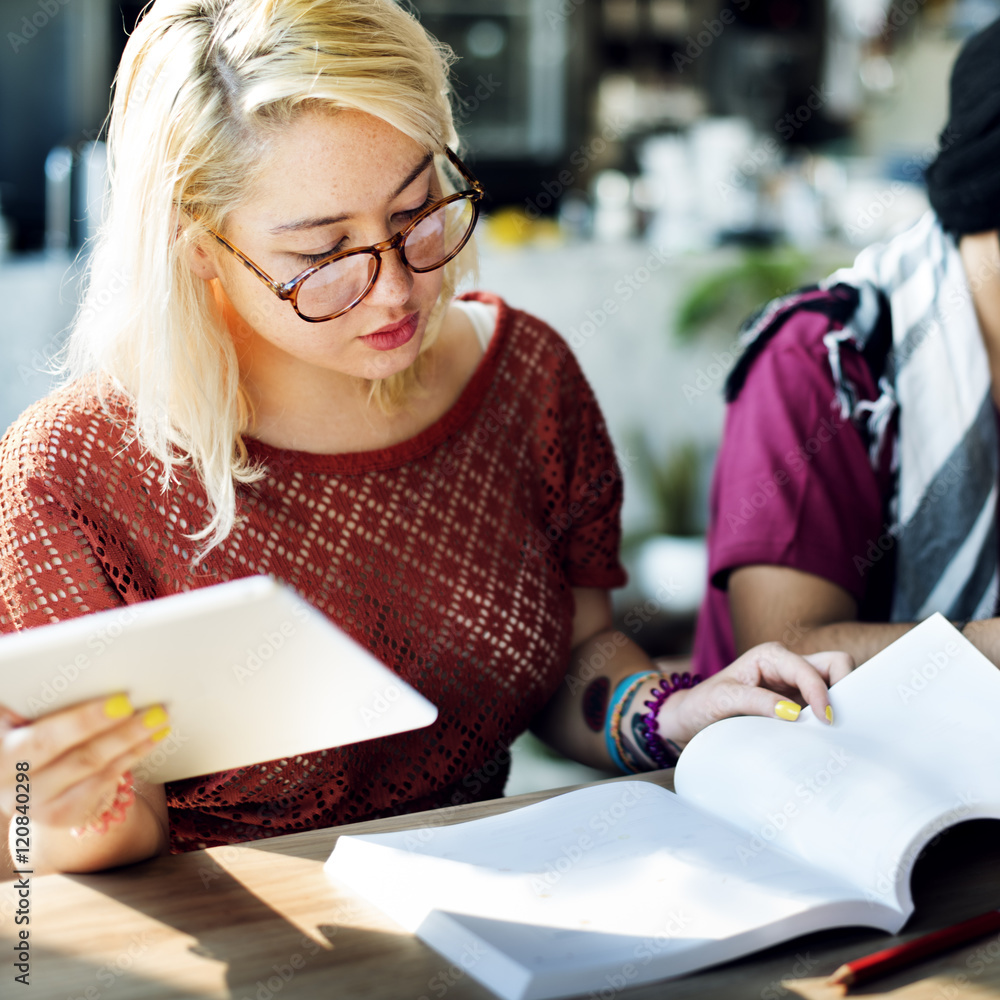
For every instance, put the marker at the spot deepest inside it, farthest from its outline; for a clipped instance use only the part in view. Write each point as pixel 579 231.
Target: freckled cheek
pixel 254 303
pixel 428 287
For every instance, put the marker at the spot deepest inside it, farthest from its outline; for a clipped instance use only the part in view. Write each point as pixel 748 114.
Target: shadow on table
pixel 248 949
pixel 956 876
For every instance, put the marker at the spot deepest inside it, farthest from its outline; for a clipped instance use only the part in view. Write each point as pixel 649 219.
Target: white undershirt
pixel 483 318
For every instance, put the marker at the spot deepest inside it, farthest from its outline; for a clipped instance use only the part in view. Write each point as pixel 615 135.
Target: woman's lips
pixel 388 338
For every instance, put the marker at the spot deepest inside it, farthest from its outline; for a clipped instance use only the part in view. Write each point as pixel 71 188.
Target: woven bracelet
pixel 655 747
pixel 623 758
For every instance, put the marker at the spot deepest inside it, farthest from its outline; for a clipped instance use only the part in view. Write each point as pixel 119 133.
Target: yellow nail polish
pixel 155 717
pixel 118 706
pixel 787 710
pixel 829 713
pixel 161 735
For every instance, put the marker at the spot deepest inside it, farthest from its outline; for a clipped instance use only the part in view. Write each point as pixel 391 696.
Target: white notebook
pixel 248 671
pixel 776 829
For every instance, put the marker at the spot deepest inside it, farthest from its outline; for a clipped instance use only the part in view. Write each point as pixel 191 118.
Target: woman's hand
pixel 76 757
pixel 767 680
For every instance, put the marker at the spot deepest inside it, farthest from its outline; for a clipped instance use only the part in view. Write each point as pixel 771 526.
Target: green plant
pixel 673 487
pixel 736 291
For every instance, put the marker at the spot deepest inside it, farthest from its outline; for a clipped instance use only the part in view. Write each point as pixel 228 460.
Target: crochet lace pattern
pixel 450 556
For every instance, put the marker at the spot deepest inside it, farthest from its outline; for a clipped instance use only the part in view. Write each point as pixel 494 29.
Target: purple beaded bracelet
pixel 655 747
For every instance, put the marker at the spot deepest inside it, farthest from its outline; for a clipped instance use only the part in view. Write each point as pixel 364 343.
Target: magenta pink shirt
pixel 794 486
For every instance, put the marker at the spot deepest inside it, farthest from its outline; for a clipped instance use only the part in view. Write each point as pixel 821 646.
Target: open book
pixel 776 829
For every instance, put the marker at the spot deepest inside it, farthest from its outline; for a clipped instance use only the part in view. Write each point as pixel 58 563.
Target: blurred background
pixel 656 169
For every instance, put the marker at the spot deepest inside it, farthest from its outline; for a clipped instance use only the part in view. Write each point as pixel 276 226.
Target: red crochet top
pixel 450 556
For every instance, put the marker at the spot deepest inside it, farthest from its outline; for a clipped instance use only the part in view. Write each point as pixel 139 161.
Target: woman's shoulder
pixel 787 341
pixel 524 336
pixel 71 426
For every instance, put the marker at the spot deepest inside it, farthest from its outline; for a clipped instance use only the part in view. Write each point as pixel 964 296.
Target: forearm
pixel 861 639
pixel 984 634
pixel 804 612
pixel 574 720
pixel 864 639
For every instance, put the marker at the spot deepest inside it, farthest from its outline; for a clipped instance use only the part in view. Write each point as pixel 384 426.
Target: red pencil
pixel 916 950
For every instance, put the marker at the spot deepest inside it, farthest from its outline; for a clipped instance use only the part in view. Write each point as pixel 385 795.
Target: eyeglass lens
pixel 428 245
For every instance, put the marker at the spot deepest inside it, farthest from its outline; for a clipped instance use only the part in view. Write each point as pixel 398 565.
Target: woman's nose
pixel 395 280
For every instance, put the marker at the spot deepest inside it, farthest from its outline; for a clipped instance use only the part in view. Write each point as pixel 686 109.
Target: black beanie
pixel 963 182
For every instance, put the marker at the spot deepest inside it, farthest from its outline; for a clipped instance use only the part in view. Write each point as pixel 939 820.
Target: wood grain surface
pixel 260 921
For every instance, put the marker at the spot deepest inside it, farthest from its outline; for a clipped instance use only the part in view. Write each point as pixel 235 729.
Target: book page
pixel 913 750
pixel 553 898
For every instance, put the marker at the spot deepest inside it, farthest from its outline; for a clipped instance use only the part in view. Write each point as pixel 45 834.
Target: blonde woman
pixel 283 383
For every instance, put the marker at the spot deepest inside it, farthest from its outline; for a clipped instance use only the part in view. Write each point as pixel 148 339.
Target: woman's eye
pixel 315 258
pixel 414 212
pixel 402 218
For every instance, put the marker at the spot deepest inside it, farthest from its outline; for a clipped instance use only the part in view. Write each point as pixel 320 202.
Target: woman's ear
pixel 201 262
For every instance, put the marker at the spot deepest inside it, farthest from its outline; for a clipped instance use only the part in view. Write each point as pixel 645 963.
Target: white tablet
pixel 247 670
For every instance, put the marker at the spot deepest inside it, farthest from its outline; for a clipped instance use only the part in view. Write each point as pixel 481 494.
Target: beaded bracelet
pixel 115 813
pixel 623 758
pixel 655 747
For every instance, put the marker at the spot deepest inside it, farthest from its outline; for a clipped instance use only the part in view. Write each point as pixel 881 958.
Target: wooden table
pixel 260 921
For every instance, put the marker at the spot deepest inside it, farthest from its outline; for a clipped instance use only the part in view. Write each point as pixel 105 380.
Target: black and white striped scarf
pixel 936 377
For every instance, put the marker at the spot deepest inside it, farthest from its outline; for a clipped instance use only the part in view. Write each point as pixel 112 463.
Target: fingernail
pixel 787 710
pixel 155 717
pixel 829 713
pixel 118 706
pixel 161 735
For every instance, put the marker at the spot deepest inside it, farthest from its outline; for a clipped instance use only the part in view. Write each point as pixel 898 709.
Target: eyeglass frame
pixel 288 291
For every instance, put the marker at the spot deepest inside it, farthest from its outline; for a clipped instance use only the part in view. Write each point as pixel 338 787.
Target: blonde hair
pixel 201 86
